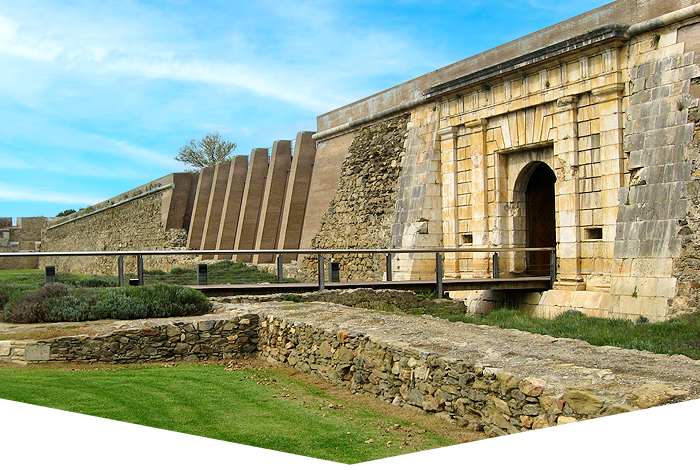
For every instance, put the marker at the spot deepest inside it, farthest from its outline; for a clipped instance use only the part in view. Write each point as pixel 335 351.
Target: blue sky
pixel 96 98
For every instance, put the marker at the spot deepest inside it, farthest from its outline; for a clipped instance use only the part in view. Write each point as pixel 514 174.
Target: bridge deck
pixel 537 283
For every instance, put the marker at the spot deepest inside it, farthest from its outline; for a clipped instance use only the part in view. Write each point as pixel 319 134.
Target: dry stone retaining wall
pixel 484 378
pixel 199 340
pixel 477 389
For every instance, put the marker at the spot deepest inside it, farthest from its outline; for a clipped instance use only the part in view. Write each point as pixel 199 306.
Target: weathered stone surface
pixel 532 387
pixel 566 420
pixel 583 402
pixel 649 395
pixel 361 213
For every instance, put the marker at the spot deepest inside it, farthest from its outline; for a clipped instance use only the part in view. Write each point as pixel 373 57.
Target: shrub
pixel 4 298
pixel 118 304
pixel 58 302
pixel 74 305
pixel 92 281
pixel 33 306
pixel 98 281
pixel 170 300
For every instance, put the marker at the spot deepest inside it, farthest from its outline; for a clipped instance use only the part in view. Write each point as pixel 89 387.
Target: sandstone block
pixel 532 387
pixel 583 402
pixel 566 420
pixel 37 352
pixel 649 395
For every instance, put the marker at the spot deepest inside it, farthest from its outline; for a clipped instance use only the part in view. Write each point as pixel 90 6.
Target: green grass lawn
pixel 9 274
pixel 261 408
pixel 680 335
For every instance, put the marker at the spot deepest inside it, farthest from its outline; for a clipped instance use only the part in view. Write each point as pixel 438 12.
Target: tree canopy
pixel 65 213
pixel 207 152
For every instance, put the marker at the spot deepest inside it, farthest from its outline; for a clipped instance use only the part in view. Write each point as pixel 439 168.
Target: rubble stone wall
pixel 362 211
pixel 478 395
pixel 136 225
pixel 200 340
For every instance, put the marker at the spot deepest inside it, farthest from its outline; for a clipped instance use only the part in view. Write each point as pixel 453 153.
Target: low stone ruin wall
pixel 484 378
pixel 199 340
pixel 498 397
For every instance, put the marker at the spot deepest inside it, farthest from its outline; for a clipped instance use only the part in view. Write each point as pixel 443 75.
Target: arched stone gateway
pixel 540 216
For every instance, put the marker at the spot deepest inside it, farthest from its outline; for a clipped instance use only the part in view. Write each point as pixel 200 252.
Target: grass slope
pixel 680 335
pixel 260 408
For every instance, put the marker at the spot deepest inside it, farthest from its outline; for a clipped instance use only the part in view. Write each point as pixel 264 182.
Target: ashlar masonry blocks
pixel 215 206
pixel 295 199
pixel 199 212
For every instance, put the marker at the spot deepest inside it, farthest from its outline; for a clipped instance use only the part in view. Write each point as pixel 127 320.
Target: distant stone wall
pixel 136 225
pixel 25 236
pixel 199 340
pixel 362 211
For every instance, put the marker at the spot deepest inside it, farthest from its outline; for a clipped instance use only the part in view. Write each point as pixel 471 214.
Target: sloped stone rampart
pixel 362 211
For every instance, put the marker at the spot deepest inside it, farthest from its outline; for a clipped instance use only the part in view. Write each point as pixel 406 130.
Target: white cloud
pixel 17 193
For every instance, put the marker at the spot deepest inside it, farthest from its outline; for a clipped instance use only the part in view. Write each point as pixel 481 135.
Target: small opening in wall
pixel 467 238
pixel 593 233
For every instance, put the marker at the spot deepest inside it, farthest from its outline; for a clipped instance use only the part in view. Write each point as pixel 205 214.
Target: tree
pixel 207 152
pixel 65 213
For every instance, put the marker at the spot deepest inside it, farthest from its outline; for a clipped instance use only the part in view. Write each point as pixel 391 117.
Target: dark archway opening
pixel 541 223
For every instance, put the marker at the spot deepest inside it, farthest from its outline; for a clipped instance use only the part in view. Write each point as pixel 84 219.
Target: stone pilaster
pixel 567 195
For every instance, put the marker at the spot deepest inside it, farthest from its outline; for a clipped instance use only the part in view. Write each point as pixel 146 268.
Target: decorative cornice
pixel 606 34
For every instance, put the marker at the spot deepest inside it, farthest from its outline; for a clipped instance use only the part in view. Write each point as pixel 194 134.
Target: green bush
pixel 58 302
pixel 74 305
pixel 33 306
pixel 117 303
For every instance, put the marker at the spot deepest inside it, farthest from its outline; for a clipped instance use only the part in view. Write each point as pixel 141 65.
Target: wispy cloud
pixel 17 193
pixel 98 96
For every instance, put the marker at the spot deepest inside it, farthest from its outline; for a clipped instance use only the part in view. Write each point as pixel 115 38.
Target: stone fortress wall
pixel 154 216
pixel 593 119
pixel 255 203
pixel 25 236
pixel 604 105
